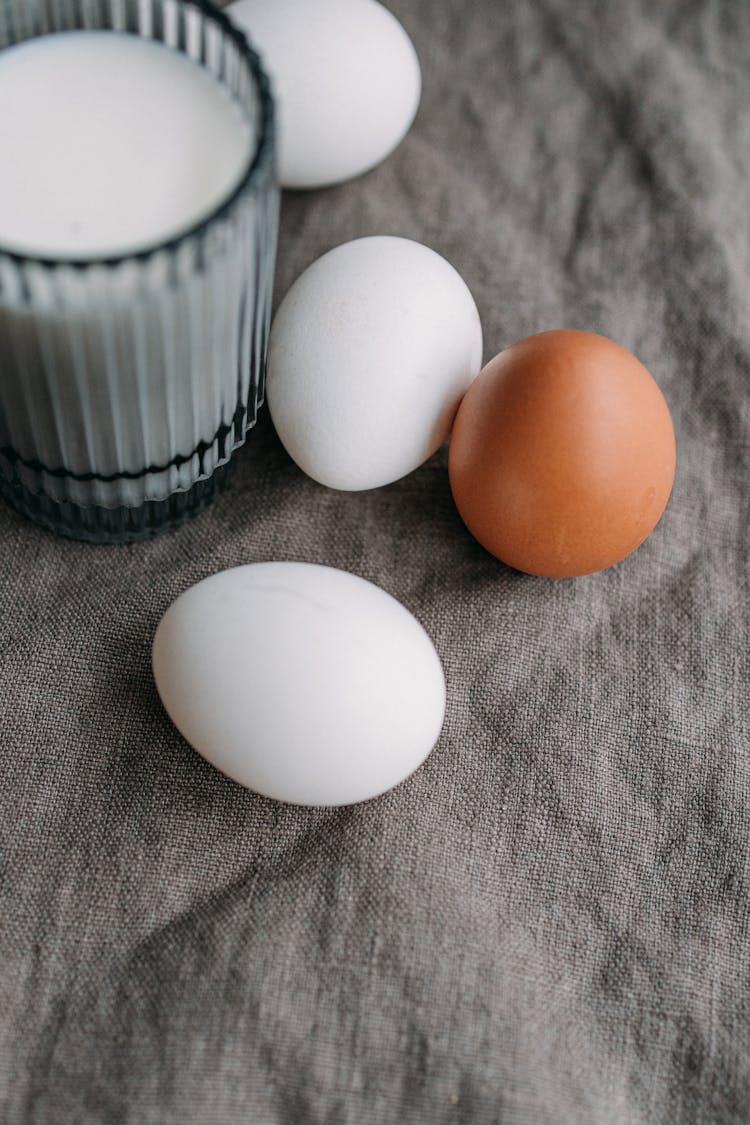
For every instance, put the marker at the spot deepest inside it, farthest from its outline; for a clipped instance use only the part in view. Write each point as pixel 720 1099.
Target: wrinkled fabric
pixel 549 922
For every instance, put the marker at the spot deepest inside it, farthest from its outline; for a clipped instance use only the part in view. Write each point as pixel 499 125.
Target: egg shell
pixel 346 78
pixel 370 354
pixel 304 683
pixel 562 455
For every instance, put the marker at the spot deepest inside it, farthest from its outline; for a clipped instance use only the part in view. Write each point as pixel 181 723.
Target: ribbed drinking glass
pixel 128 382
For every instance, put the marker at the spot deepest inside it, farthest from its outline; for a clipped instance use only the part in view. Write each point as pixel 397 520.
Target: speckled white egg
pixel 371 352
pixel 346 79
pixel 301 682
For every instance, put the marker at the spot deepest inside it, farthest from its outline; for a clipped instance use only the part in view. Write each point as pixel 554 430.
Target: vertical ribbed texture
pixel 126 384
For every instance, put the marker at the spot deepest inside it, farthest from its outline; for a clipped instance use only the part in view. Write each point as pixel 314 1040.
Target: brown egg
pixel 562 455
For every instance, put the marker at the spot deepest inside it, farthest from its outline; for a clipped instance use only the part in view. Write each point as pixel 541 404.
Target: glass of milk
pixel 138 219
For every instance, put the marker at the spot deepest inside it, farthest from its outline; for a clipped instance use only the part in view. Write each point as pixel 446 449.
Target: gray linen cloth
pixel 549 922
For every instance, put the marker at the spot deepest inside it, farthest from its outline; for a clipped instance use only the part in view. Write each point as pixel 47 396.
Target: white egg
pixel 370 354
pixel 302 682
pixel 346 79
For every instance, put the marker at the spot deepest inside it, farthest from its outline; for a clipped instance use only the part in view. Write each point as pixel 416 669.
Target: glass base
pixel 115 525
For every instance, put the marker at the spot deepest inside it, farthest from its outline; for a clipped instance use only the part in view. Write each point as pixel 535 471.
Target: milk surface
pixel 110 143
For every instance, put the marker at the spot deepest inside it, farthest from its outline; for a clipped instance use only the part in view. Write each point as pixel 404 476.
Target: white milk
pixel 110 143
pixel 141 373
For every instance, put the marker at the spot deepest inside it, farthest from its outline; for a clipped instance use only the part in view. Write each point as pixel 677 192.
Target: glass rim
pixel 258 163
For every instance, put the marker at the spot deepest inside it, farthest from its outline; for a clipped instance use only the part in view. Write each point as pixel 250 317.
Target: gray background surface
pixel 548 923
